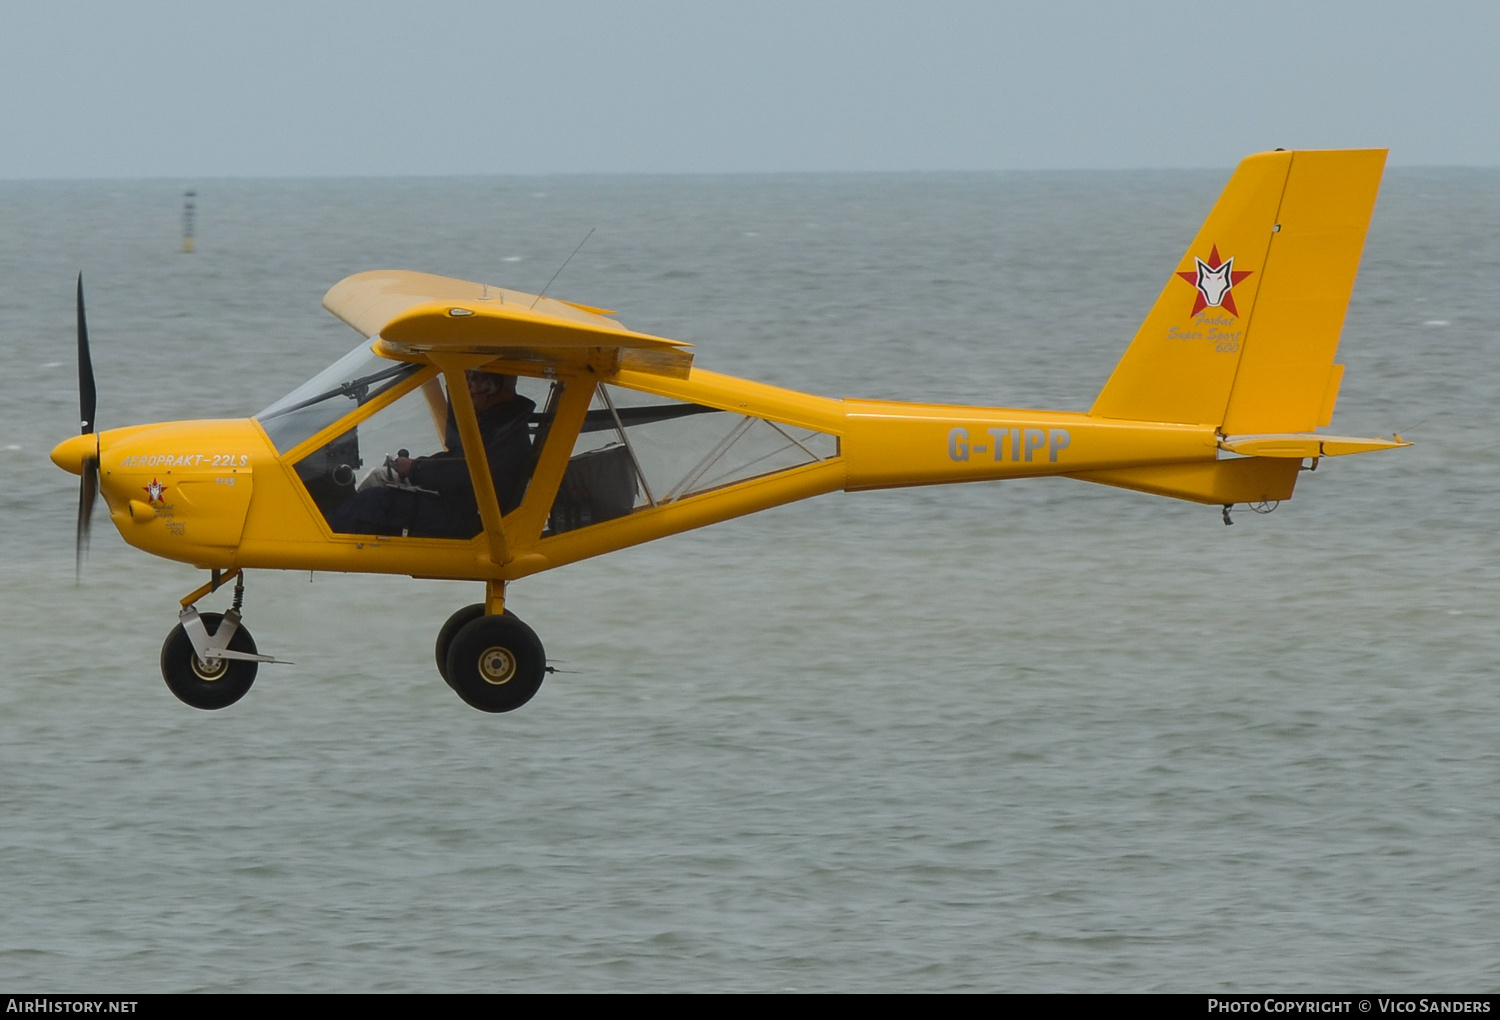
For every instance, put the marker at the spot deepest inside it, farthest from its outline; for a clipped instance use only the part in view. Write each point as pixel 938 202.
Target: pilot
pixel 434 496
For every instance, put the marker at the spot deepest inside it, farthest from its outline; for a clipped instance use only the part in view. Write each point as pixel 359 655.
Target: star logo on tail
pixel 1214 281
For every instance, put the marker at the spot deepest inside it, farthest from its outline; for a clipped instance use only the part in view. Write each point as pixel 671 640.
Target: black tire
pixel 496 663
pixel 455 623
pixel 193 685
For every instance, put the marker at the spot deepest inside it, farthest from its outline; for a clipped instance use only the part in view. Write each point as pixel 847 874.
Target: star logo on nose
pixel 154 491
pixel 1214 281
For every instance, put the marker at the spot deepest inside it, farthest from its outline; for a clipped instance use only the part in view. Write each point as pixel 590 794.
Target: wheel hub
pixel 210 673
pixel 497 665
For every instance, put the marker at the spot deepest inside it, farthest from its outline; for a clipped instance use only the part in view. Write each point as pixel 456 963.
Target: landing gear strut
pixel 209 660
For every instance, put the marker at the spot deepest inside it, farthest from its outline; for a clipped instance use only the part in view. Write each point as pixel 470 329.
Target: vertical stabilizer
pixel 1244 333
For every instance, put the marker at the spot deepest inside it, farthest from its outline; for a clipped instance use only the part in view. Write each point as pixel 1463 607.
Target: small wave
pixel 1436 322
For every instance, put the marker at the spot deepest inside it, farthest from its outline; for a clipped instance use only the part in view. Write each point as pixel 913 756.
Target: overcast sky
pixel 193 90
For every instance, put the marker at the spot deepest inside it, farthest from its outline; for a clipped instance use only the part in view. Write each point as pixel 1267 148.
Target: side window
pixel 638 450
pixel 403 471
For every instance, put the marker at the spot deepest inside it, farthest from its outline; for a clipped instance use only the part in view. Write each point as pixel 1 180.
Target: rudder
pixel 1287 381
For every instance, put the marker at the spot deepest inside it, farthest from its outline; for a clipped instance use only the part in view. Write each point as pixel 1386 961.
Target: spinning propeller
pixel 88 484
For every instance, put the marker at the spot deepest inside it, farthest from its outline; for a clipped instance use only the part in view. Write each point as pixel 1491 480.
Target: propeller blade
pixel 87 396
pixel 88 489
pixel 88 479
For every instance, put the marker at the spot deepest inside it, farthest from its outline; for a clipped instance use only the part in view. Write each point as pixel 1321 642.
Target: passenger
pixel 434 497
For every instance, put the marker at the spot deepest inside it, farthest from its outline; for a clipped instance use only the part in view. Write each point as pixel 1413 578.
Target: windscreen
pixel 357 377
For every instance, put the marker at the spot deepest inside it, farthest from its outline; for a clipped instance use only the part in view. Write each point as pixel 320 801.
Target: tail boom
pixel 891 445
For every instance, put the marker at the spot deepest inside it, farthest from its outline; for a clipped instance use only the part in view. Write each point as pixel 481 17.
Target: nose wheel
pixel 209 660
pixel 217 683
pixel 494 663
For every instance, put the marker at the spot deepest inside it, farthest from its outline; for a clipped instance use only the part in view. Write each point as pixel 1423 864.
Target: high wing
pixel 418 313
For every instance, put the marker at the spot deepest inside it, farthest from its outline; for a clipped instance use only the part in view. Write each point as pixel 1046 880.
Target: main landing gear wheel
pixel 455 623
pixel 196 684
pixel 496 663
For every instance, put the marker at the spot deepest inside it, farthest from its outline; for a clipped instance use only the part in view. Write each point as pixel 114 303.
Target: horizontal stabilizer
pixel 1306 444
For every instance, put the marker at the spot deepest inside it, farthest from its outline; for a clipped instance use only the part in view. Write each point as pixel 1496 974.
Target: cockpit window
pixel 357 377
pixel 403 470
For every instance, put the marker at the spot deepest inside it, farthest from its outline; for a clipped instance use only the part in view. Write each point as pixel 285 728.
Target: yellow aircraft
pixel 556 434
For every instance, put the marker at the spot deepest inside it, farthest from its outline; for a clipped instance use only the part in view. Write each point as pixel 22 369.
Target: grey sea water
pixel 1025 736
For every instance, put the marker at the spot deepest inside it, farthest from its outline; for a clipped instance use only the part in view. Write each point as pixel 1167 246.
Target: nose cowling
pixel 71 453
pixel 182 490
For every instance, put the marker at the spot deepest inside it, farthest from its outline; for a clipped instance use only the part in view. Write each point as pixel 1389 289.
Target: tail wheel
pixel 197 684
pixel 496 663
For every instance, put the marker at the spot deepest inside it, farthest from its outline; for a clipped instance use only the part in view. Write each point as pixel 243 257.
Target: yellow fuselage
pixel 217 494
